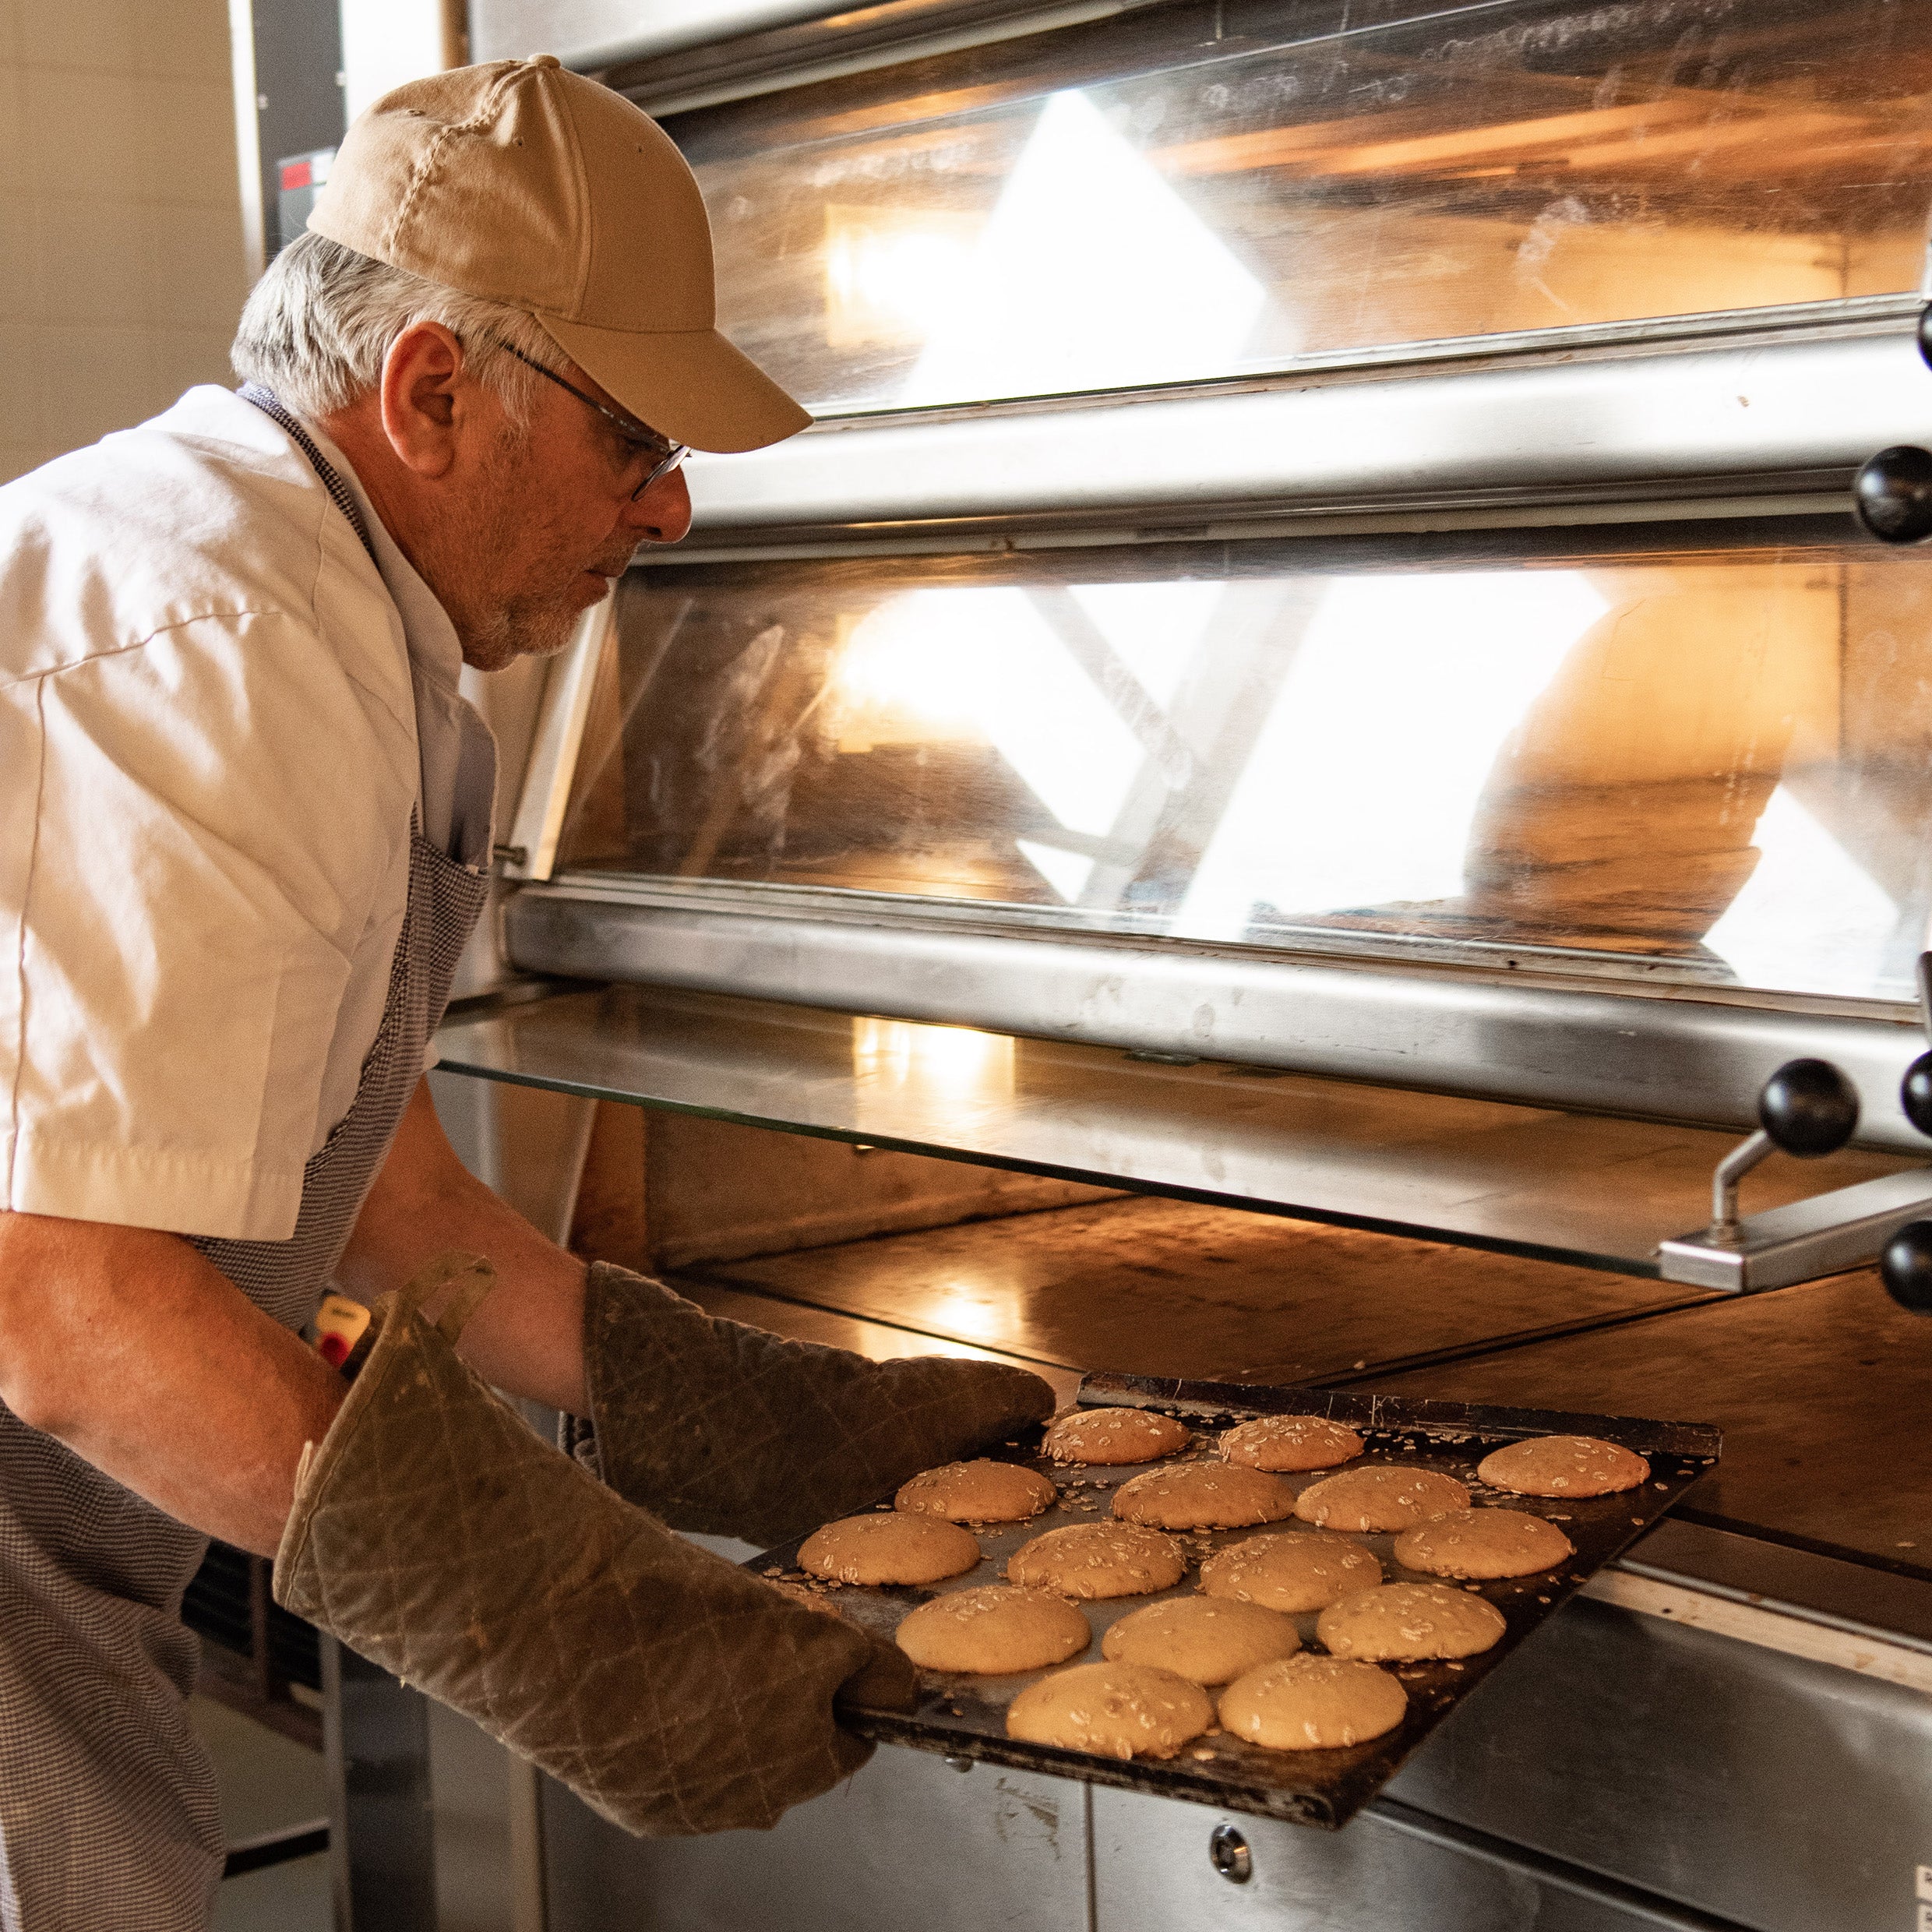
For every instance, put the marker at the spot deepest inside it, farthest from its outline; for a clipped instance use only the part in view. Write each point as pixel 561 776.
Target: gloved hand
pixel 721 1429
pixel 435 1534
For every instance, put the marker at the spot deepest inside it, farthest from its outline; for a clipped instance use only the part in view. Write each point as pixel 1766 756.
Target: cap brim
pixel 694 387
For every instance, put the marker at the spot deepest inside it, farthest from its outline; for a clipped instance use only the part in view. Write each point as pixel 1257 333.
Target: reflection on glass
pixel 1710 763
pixel 944 1069
pixel 1206 192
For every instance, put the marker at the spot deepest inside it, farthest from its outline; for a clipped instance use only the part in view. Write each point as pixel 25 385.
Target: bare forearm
pixel 132 1349
pixel 527 1337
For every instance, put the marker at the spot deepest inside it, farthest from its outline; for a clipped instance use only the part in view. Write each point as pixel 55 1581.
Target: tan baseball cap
pixel 527 184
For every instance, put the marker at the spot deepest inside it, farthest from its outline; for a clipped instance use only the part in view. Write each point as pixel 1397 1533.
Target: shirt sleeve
pixel 197 829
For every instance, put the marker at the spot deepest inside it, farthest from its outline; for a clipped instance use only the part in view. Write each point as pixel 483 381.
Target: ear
pixel 426 398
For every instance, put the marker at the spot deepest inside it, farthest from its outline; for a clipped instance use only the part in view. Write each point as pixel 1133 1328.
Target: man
pixel 244 832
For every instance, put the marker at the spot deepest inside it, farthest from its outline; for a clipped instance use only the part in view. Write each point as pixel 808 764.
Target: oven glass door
pixel 1693 751
pixel 1200 192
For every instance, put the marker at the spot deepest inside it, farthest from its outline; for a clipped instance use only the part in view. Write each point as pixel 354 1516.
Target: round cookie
pixel 981 1492
pixel 889 1548
pixel 1403 1622
pixel 1098 1560
pixel 1203 1495
pixel 1112 1710
pixel 1384 1495
pixel 1115 1436
pixel 1313 1704
pixel 993 1631
pixel 1483 1543
pixel 1297 1570
pixel 1562 1465
pixel 1200 1639
pixel 1291 1444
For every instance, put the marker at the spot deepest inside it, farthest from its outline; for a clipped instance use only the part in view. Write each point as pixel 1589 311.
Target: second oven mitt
pixel 435 1534
pixel 722 1429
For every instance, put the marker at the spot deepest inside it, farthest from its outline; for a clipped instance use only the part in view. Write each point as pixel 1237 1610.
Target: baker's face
pixel 550 522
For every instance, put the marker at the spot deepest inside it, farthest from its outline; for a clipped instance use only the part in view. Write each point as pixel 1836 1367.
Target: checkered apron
pixel 108 1821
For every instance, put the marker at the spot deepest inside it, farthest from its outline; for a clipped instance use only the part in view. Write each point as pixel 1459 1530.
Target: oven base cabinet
pixel 1626 1773
pixel 1767 1790
pixel 1391 1870
pixel 907 1843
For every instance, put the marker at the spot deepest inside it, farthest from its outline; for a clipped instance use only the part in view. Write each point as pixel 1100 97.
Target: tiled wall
pixel 120 254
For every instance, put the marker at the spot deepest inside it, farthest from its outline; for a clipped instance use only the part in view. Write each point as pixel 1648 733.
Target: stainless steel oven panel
pixel 1442 1030
pixel 682 56
pixel 587 34
pixel 907 1843
pixel 1158 1865
pixel 1779 416
pixel 1782 1794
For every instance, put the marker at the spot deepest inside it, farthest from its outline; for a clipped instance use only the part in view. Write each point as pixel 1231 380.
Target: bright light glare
pixel 894 1059
pixel 986 663
pixel 892 276
pixel 1091 273
pixel 984 1307
pixel 1066 873
pixel 1156 628
pixel 1362 787
pixel 1808 918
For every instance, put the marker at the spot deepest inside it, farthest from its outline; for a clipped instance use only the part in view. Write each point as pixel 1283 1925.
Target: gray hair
pixel 318 325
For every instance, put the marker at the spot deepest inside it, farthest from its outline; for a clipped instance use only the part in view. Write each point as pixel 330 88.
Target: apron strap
pixel 271 405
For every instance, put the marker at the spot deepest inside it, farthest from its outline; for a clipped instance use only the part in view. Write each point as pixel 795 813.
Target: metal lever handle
pixel 1808 1108
pixel 1906 1267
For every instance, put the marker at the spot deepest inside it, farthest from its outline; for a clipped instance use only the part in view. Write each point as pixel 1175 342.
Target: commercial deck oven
pixel 1257 800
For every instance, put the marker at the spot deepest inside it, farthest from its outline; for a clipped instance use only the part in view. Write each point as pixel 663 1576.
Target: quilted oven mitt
pixel 436 1535
pixel 724 1430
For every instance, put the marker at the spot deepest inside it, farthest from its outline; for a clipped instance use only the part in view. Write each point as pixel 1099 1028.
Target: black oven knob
pixel 1808 1108
pixel 1915 1093
pixel 1906 1266
pixel 1892 495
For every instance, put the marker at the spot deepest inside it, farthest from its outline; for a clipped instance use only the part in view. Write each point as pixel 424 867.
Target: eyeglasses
pixel 665 455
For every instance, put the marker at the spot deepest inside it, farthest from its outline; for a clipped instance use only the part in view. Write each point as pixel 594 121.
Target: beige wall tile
pixel 185 37
pixel 17 458
pixel 88 136
pixel 96 379
pixel 121 264
pixel 186 132
pixel 179 358
pixel 21 413
pixel 195 277
pixel 13 167
pixel 89 261
pixel 20 282
pixel 96 37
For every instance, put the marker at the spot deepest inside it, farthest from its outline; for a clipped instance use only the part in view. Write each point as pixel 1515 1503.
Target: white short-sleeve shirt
pixel 217 717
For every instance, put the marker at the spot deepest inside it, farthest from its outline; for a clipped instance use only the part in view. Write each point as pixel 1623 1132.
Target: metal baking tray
pixel 964 1716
